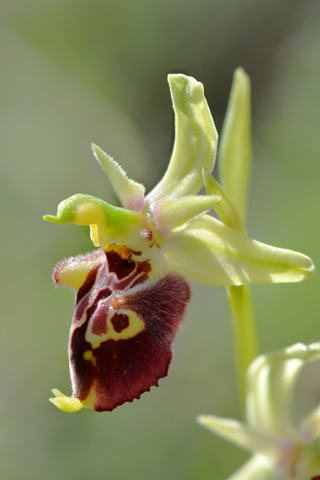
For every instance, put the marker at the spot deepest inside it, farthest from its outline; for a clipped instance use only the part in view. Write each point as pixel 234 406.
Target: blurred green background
pixel 73 72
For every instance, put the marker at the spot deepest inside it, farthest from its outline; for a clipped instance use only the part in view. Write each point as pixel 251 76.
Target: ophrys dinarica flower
pixel 131 294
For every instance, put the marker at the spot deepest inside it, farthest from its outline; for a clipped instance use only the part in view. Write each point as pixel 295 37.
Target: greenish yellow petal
pixel 210 252
pixel 195 141
pixel 253 440
pixel 310 426
pixel 235 153
pixel 271 380
pixel 171 215
pixel 257 468
pixel 225 208
pixel 129 192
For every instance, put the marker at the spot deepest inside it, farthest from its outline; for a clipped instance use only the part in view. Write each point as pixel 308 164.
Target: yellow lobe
pixel 73 277
pixel 64 403
pixel 74 273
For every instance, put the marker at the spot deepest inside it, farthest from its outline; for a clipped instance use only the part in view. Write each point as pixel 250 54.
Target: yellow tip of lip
pixel 64 403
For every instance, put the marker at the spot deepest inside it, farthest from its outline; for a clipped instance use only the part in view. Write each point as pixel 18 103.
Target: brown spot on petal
pixel 120 321
pixel 144 267
pixel 103 294
pixel 99 325
pixel 136 252
pixel 140 280
pixel 88 284
pixel 122 267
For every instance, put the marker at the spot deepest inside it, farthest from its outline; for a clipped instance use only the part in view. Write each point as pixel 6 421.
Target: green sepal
pixel 195 141
pixel 129 192
pixel 235 153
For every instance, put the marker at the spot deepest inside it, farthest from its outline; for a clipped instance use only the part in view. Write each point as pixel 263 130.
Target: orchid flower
pixel 131 293
pixel 282 450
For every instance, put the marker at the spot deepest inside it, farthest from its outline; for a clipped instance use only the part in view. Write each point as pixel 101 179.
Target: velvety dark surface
pixel 119 370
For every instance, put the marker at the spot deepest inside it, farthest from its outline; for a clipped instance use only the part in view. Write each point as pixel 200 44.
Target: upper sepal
pixel 195 141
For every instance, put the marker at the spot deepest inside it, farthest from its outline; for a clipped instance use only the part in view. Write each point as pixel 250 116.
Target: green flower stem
pixel 243 322
pixel 244 334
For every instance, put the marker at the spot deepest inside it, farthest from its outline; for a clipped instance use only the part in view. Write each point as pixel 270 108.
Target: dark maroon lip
pixel 120 369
